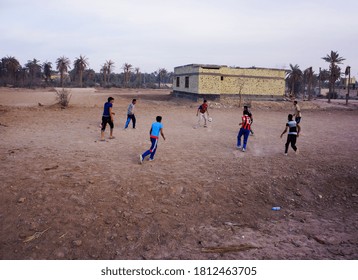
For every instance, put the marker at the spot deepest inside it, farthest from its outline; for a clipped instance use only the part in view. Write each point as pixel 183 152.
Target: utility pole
pixel 310 75
pixel 348 72
pixel 319 82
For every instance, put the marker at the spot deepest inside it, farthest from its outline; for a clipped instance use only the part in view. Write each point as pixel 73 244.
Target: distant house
pixel 351 82
pixel 214 81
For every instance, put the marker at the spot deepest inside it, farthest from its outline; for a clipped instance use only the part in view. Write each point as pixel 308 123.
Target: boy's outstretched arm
pixel 162 133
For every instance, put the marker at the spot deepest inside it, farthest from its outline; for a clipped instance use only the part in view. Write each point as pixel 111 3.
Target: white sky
pixel 152 34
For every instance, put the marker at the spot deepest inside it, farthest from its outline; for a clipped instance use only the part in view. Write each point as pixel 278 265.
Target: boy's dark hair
pixel 158 118
pixel 295 102
pixel 134 100
pixel 110 99
pixel 290 117
pixel 205 101
pixel 246 112
pixel 245 107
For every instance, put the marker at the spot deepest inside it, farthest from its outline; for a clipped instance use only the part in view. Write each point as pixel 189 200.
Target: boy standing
pixel 155 130
pixel 204 113
pixel 244 130
pixel 293 132
pixel 130 114
pixel 297 113
pixel 107 117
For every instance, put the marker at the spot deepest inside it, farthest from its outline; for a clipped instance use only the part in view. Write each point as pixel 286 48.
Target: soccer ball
pixel 210 119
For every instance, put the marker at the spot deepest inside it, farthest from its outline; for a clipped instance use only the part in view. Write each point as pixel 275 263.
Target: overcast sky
pixel 152 34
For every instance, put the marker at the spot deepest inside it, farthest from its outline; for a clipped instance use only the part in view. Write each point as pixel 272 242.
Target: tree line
pixel 36 74
pixel 303 82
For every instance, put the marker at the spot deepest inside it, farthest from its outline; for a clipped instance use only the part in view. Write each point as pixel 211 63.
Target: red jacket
pixel 246 121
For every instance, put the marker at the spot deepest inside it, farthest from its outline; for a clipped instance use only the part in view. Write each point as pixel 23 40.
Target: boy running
pixel 204 113
pixel 244 130
pixel 130 114
pixel 156 129
pixel 251 118
pixel 107 117
pixel 293 132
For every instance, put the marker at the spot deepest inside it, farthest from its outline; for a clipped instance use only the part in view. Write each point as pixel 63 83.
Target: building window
pixel 187 82
pixel 178 81
pixel 222 78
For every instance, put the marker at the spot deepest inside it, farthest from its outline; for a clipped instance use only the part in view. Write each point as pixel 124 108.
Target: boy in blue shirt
pixel 107 117
pixel 156 129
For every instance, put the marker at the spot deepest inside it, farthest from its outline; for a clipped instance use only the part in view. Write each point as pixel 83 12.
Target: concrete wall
pixel 186 71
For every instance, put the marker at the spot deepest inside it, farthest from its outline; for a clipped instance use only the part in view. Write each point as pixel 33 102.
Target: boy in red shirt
pixel 204 113
pixel 244 130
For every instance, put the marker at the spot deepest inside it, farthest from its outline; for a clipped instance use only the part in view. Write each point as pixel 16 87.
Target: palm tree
pixel 80 64
pixel 22 74
pixel 2 71
pixel 34 68
pixel 12 66
pixel 294 76
pixel 104 70
pixel 89 76
pixel 335 74
pixel 308 73
pixel 324 76
pixel 162 72
pixel 138 74
pixel 110 67
pixel 62 65
pixel 348 72
pixel 127 72
pixel 47 68
pixel 333 59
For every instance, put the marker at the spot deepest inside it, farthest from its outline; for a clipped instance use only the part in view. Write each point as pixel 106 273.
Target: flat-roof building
pixel 215 81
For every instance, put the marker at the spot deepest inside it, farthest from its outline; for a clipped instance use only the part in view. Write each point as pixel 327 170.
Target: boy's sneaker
pixel 297 152
pixel 140 159
pixel 285 154
pixel 243 149
pixel 239 147
pixel 151 159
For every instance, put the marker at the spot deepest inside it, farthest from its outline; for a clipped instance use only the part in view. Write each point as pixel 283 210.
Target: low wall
pixel 218 97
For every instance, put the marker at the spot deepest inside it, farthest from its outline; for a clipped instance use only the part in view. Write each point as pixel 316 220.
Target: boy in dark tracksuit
pixel 293 133
pixel 107 117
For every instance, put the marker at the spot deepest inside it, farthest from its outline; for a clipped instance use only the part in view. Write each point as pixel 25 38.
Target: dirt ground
pixel 66 195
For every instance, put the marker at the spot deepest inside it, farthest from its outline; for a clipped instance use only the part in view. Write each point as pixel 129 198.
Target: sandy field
pixel 67 195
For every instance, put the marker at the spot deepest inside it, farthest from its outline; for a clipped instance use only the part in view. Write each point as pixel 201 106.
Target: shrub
pixel 63 96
